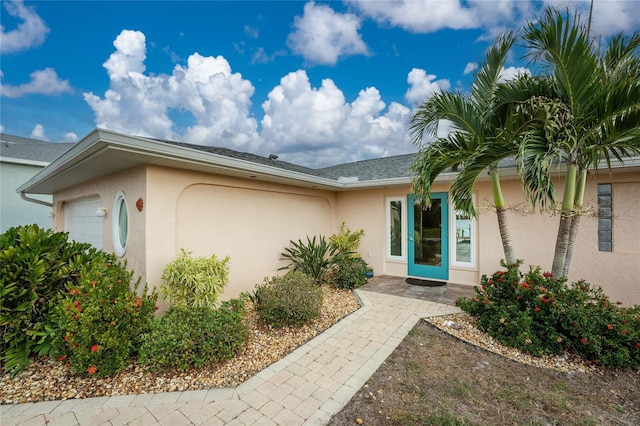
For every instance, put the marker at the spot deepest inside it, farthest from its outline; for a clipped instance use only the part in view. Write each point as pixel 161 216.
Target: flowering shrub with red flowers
pixel 101 317
pixel 540 314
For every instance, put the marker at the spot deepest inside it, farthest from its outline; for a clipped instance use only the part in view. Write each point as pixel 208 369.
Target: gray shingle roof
pixel 31 149
pixel 378 168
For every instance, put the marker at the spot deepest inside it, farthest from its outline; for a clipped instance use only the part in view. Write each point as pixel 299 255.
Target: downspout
pixel 33 200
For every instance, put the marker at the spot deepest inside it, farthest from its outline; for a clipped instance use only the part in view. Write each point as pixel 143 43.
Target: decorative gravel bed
pixel 46 379
pixel 463 326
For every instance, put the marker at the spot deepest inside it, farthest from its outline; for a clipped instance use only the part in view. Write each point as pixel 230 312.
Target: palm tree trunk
pixel 566 215
pixel 575 221
pixel 498 200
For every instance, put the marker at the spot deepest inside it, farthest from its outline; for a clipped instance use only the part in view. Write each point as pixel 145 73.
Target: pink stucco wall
pixel 253 221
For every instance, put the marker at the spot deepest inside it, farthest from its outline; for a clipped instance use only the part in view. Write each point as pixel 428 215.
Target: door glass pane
pixel 427 234
pixel 463 237
pixel 396 228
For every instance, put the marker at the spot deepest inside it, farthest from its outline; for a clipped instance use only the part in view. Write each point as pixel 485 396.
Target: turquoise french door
pixel 429 237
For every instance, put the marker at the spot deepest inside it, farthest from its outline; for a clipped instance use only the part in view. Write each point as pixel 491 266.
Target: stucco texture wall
pixel 534 235
pixel 250 221
pixel 133 184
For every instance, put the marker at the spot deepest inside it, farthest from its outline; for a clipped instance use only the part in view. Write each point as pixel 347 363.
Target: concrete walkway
pixel 308 386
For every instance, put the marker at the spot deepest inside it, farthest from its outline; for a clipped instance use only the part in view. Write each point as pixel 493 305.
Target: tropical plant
pixel 194 281
pixel 346 240
pixel 289 300
pixel 188 337
pixel 350 273
pixel 100 319
pixel 590 111
pixel 477 142
pixel 540 314
pixel 315 258
pixel 35 265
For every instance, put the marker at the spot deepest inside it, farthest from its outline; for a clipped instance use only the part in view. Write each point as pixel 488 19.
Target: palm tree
pixel 477 141
pixel 599 95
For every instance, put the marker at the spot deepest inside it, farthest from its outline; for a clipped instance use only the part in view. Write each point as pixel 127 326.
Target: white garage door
pixel 81 222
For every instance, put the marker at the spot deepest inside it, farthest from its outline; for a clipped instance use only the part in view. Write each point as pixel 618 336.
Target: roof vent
pixel 273 157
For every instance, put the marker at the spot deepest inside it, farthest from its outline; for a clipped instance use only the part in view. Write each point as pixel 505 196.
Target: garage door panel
pixel 81 221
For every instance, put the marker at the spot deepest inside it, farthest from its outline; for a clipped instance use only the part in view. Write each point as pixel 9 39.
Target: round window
pixel 120 224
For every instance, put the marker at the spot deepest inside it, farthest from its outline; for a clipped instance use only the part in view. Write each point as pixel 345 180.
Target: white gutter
pixel 33 200
pixel 23 161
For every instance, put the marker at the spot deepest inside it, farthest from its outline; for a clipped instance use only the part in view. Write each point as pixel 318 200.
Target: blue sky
pixel 317 83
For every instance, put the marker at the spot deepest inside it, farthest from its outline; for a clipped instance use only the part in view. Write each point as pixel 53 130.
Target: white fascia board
pixel 23 161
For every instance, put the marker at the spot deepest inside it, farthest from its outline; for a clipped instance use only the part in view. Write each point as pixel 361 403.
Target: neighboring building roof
pixel 30 151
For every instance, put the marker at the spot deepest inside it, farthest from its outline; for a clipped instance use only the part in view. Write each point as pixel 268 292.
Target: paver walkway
pixel 308 386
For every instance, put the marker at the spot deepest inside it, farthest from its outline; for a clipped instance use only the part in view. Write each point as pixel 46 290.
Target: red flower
pixel 95 347
pixel 543 289
pixel 62 358
pixel 74 291
pixel 93 283
pixel 638 345
pixel 525 285
pixel 584 341
pixel 66 338
pixel 537 309
pixel 547 274
pixel 92 369
pixel 610 327
pixel 624 331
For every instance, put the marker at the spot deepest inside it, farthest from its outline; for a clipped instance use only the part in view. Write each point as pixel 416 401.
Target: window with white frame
pixel 120 224
pixel 463 239
pixel 396 228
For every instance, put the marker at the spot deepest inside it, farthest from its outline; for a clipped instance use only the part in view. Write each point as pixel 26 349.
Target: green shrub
pixel 100 319
pixel 194 281
pixel 292 299
pixel 315 258
pixel 186 337
pixel 347 241
pixel 539 314
pixel 349 273
pixel 35 264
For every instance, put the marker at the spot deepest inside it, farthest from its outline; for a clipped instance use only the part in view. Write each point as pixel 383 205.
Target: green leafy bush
pixel 347 241
pixel 35 264
pixel 349 273
pixel 100 319
pixel 292 299
pixel 539 314
pixel 315 258
pixel 187 337
pixel 194 281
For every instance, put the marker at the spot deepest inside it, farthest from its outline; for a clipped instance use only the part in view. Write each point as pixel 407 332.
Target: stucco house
pixel 20 159
pixel 144 199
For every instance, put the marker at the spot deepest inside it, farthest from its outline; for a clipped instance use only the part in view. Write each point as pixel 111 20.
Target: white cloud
pixel 419 16
pixel 30 33
pixel 318 127
pixel 609 17
pixel 261 57
pixel 470 67
pixel 512 72
pixel 217 99
pixel 1 128
pixel 422 86
pixel 70 137
pixel 38 133
pixel 323 36
pixel 43 82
